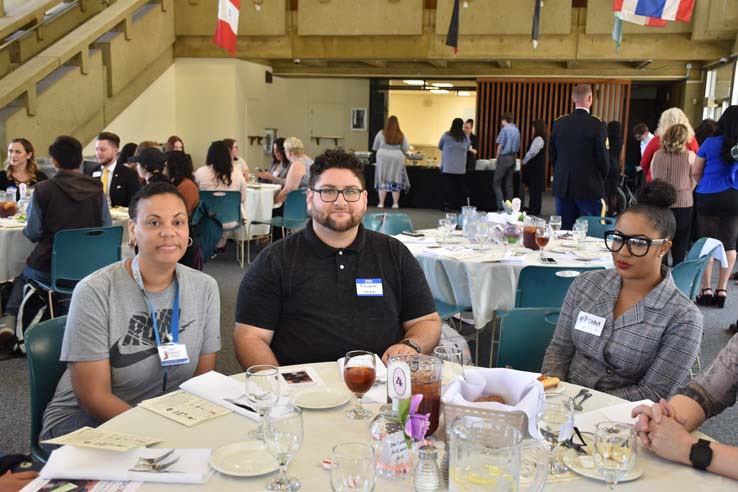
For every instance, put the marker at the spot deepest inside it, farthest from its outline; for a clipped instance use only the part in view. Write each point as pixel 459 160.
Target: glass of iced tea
pixel 543 235
pixel 359 372
pixel 426 374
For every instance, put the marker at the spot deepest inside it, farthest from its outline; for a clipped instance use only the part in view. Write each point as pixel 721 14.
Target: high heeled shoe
pixel 704 299
pixel 719 301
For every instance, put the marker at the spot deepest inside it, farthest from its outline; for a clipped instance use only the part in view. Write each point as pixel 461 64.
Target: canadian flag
pixel 227 30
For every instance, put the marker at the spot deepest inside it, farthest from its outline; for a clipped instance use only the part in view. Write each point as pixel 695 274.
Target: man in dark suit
pixel 120 182
pixel 580 160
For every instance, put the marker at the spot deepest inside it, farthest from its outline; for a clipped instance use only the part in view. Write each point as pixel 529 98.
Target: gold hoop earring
pixel 131 243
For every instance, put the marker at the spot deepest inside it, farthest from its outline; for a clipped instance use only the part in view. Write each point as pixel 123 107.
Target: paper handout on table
pixel 299 377
pixel 62 485
pixel 617 413
pixel 218 388
pixel 192 465
pixel 184 408
pixel 87 437
pixel 454 252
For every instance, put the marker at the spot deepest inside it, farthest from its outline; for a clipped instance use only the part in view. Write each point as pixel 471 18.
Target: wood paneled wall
pixel 532 99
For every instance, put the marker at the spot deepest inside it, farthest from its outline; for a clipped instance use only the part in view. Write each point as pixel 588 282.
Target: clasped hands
pixel 661 429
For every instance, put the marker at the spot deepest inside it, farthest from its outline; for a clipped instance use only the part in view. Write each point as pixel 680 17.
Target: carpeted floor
pixel 14 399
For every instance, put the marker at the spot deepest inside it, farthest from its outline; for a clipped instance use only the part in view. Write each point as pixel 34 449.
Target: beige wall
pixel 425 117
pixel 202 100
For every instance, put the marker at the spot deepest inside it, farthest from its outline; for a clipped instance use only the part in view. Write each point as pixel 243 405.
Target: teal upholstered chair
pixel 293 216
pixel 387 223
pixel 524 336
pixel 541 286
pixel 597 226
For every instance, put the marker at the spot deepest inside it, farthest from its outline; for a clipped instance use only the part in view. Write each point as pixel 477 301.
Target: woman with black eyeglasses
pixel 629 331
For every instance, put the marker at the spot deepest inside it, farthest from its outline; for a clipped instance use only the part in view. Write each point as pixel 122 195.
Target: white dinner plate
pixel 319 397
pixel 583 464
pixel 243 459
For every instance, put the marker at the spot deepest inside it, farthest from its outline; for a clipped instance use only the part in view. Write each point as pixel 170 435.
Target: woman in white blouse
pixel 534 167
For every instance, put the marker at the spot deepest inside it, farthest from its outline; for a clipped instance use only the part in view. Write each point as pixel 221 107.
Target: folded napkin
pixel 520 387
pixel 80 463
pixel 218 388
pixel 454 252
pixel 378 393
pixel 586 421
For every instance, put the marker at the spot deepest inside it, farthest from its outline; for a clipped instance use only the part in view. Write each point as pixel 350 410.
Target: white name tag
pixel 97 174
pixel 589 323
pixel 369 287
pixel 172 354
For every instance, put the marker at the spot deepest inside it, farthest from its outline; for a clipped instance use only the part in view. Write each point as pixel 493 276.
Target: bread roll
pixel 493 398
pixel 548 382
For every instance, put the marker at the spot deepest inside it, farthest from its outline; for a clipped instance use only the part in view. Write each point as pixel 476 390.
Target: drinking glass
pixel 283 438
pixel 262 391
pixel 358 374
pixel 442 229
pixel 453 357
pixel 555 223
pixel 580 229
pixel 555 423
pixel 482 234
pixel 451 218
pixel 615 451
pixel 543 235
pixel 353 467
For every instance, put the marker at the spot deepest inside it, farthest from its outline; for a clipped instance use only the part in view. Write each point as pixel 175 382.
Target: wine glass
pixel 451 218
pixel 443 231
pixel 555 423
pixel 358 373
pixel 482 234
pixel 555 223
pixel 262 391
pixel 283 438
pixel 615 451
pixel 353 467
pixel 543 235
pixel 451 355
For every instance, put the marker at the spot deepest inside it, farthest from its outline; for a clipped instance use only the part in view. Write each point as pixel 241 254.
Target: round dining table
pixel 259 204
pixel 323 429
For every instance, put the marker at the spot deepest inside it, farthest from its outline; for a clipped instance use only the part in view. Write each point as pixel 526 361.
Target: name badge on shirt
pixel 172 354
pixel 589 323
pixel 97 174
pixel 369 287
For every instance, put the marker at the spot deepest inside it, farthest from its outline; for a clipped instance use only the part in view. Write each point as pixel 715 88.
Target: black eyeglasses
pixel 637 245
pixel 331 194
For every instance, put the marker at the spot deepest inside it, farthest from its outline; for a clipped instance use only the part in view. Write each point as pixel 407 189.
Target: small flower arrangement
pixel 415 425
pixel 512 209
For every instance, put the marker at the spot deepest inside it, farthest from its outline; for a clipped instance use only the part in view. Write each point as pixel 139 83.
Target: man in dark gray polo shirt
pixel 334 286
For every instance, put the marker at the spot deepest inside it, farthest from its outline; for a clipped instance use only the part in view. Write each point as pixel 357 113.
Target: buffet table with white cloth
pixel 259 204
pixel 458 274
pixel 325 428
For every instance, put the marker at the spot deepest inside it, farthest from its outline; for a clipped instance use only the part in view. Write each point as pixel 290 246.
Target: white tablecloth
pixel 487 286
pixel 259 203
pixel 326 428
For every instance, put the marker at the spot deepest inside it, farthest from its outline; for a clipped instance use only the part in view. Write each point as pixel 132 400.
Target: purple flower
pixel 416 425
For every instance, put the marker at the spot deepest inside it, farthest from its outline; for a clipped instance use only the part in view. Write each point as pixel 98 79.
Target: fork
pixel 162 467
pixel 156 460
pixel 578 406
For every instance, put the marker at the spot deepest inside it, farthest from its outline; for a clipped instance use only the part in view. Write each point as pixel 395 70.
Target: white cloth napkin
pixel 216 387
pixel 80 463
pixel 378 393
pixel 715 248
pixel 586 421
pixel 520 387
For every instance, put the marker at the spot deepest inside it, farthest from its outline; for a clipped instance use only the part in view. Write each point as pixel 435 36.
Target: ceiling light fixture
pixel 442 84
pixel 414 82
pixel 439 91
pixel 463 93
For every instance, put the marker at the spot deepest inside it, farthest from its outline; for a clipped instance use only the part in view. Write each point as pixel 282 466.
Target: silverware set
pixel 582 396
pixel 157 464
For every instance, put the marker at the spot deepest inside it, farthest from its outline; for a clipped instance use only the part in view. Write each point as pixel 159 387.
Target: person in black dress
pixel 534 167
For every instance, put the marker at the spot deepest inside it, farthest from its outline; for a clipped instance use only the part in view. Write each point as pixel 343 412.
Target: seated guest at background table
pixel 220 175
pixel 471 154
pixel 299 169
pixel 175 143
pixel 239 163
pixel 334 286
pixel 629 331
pixel 671 116
pixel 277 172
pixel 120 183
pixel 150 165
pixel 69 200
pixel 454 145
pixel 126 318
pixel 390 144
pixel 508 146
pixel 534 167
pixel 126 152
pixel 21 167
pixel 179 169
pixel 664 427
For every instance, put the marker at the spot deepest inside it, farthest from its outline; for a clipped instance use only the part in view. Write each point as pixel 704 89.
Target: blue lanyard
pixel 173 336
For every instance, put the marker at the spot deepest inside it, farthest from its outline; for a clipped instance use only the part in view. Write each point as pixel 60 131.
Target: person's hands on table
pixel 654 414
pixel 13 482
pixel 265 175
pixel 397 349
pixel 670 440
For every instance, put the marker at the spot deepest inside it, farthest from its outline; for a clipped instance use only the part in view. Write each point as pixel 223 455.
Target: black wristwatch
pixel 701 454
pixel 412 345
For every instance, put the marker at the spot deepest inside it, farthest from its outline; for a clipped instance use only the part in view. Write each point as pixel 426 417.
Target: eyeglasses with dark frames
pixel 637 245
pixel 330 195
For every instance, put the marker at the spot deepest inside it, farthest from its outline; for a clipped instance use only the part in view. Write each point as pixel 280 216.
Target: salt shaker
pixel 427 474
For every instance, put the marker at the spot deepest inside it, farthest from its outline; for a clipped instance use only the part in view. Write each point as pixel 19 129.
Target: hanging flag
pixel 671 10
pixel 617 33
pixel 452 38
pixel 227 31
pixel 536 22
pixel 624 10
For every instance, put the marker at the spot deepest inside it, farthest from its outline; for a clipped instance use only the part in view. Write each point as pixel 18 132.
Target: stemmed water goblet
pixel 262 391
pixel 283 434
pixel 580 229
pixel 555 223
pixel 555 423
pixel 482 234
pixel 359 372
pixel 615 451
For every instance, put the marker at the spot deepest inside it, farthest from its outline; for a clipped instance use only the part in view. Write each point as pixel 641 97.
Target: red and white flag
pixel 625 10
pixel 227 31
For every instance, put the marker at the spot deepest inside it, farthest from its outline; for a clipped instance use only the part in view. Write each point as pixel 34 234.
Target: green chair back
pixel 295 208
pixel 79 252
pixel 524 336
pixel 696 249
pixel 541 286
pixel 688 274
pixel 386 223
pixel 226 205
pixel 43 349
pixel 597 226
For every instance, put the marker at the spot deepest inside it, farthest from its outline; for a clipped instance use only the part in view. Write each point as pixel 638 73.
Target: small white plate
pixel 559 388
pixel 577 461
pixel 243 459
pixel 319 397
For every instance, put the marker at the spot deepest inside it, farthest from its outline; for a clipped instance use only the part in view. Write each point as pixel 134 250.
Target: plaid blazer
pixel 645 353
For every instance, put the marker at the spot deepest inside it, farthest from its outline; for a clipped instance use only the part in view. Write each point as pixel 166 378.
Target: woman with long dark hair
pixel 390 145
pixel 20 166
pixel 534 167
pixel 716 173
pixel 179 170
pixel 454 144
pixel 277 172
pixel 238 162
